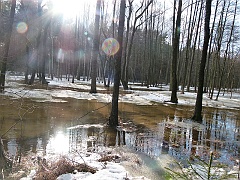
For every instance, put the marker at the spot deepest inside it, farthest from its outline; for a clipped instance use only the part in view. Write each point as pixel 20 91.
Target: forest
pixel 38 39
pixel 186 45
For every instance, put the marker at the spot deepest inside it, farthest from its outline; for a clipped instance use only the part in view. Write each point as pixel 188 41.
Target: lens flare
pixel 22 27
pixel 110 46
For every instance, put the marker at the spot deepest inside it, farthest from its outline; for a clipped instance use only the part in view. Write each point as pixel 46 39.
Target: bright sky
pixel 71 7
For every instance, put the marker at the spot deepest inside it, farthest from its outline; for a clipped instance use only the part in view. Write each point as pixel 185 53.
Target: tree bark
pixel 198 106
pixel 208 77
pixel 113 119
pixel 174 85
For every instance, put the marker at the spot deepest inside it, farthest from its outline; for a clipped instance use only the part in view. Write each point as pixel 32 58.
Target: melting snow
pixel 111 170
pixel 149 96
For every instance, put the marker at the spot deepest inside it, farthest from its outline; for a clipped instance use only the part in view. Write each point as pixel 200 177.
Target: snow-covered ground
pixel 146 96
pixel 105 170
pixel 80 90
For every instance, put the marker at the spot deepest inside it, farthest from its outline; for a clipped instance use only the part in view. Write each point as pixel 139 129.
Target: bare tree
pixel 198 106
pixel 6 46
pixel 44 56
pixel 219 42
pixel 113 119
pixel 226 52
pixel 191 24
pixel 129 45
pixel 95 49
pixel 37 56
pixel 208 78
pixel 174 84
pixel 194 52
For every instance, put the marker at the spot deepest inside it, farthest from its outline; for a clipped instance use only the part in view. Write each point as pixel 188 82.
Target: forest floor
pixel 141 95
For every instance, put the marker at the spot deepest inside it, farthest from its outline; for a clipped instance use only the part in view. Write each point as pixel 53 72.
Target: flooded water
pixel 29 127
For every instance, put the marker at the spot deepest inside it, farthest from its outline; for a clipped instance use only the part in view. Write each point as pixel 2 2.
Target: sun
pixel 72 8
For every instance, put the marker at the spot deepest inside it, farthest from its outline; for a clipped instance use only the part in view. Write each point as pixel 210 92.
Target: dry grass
pixel 51 171
pixel 108 158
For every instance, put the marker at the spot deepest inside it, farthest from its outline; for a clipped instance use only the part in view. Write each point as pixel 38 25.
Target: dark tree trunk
pixel 45 53
pixel 95 49
pixel 113 119
pixel 174 85
pixel 198 106
pixel 43 57
pixel 34 66
pixel 6 47
pixel 27 66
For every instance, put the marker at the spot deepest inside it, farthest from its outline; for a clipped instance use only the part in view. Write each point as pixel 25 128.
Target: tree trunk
pixel 6 47
pixel 95 48
pixel 27 66
pixel 34 66
pixel 198 106
pixel 113 119
pixel 45 54
pixel 191 24
pixel 219 39
pixel 197 34
pixel 208 78
pixel 226 53
pixel 128 47
pixel 174 85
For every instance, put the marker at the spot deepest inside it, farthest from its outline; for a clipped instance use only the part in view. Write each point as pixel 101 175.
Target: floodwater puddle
pixel 80 125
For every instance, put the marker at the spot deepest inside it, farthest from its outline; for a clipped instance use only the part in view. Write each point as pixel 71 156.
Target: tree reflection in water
pixel 178 137
pixel 168 133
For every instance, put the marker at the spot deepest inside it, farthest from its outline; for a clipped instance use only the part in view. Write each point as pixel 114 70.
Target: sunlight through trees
pixel 64 39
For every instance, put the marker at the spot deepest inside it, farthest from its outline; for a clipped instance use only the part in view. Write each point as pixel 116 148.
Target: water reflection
pixel 84 137
pixel 179 137
pixel 153 130
pixel 182 138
